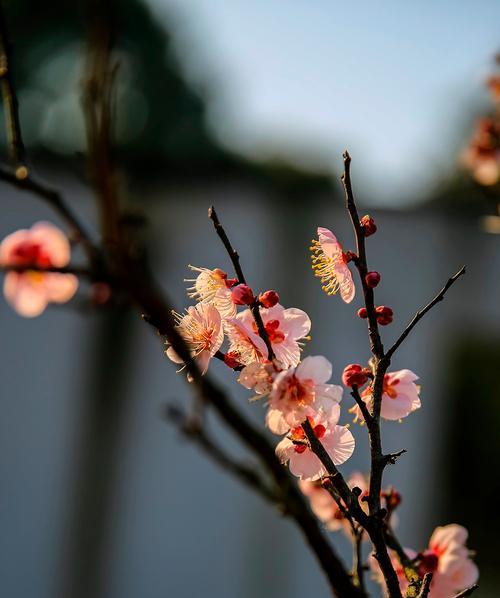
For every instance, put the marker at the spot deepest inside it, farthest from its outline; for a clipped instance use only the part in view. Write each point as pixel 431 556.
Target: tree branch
pixel 235 259
pixel 421 313
pixel 467 592
pixel 426 586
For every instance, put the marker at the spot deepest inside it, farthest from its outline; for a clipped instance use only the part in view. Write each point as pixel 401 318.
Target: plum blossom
pixel 285 328
pixel 30 291
pixel 325 507
pixel 400 396
pixel 213 286
pixel 300 392
pixel 303 463
pixel 201 329
pixel 259 377
pixel 330 265
pixel 446 557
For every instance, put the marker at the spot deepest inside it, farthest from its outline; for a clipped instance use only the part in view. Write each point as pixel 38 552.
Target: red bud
pixel 242 294
pixel 354 374
pixel 372 279
pixel 368 224
pixel 269 299
pixel 362 313
pixel 231 359
pixel 384 315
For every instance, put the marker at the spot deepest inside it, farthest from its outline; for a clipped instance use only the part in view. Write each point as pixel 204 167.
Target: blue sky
pixel 394 81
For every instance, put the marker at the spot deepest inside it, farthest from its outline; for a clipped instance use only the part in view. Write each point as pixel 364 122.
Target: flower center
pixel 275 335
pixel 298 435
pixel 389 389
pixel 299 392
pixel 31 253
pixel 429 561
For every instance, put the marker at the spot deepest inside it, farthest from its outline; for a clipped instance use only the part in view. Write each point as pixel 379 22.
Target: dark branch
pixel 77 271
pixel 361 404
pixel 235 259
pixel 467 592
pixel 421 313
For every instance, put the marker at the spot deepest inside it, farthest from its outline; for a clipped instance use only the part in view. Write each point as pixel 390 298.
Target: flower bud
pixel 269 299
pixel 368 224
pixel 362 313
pixel 372 279
pixel 354 374
pixel 231 359
pixel 384 315
pixel 242 294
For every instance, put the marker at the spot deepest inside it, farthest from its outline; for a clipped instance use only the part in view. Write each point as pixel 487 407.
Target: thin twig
pixel 235 259
pixel 426 586
pixel 14 138
pixel 421 313
pixel 467 592
pixel 361 404
pixel 76 270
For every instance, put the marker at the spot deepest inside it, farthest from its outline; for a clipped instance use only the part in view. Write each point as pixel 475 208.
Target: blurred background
pixel 248 106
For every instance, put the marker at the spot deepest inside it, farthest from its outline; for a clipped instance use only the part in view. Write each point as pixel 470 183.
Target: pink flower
pixel 294 450
pixel 285 328
pixel 213 286
pixel 259 377
pixel 399 399
pixel 326 508
pixel 447 558
pixel 330 264
pixel 30 291
pixel 301 392
pixel 201 329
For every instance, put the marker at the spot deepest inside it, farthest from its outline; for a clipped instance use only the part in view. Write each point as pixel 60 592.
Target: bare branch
pixel 235 259
pixel 467 592
pixel 77 271
pixel 421 313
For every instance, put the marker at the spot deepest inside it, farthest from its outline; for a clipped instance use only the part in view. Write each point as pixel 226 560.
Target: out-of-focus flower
pixel 303 463
pixel 301 392
pixel 30 291
pixel 330 265
pixel 447 558
pixel 399 398
pixel 493 84
pixel 285 329
pixel 482 155
pixel 201 329
pixel 326 508
pixel 213 286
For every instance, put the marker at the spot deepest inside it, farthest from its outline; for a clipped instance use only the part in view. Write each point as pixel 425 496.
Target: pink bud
pixel 269 299
pixel 242 294
pixel 368 224
pixel 354 374
pixel 372 279
pixel 231 359
pixel 362 313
